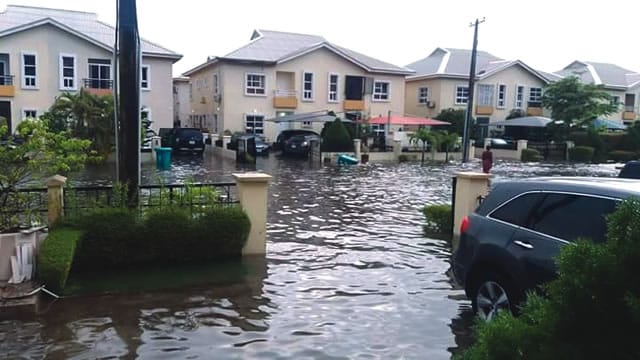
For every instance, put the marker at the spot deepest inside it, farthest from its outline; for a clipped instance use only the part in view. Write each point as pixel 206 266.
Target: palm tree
pixel 425 136
pixel 448 141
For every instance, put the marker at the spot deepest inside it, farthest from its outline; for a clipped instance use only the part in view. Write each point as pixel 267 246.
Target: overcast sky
pixel 545 34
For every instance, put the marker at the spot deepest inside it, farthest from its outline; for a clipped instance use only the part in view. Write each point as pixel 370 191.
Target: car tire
pixel 493 292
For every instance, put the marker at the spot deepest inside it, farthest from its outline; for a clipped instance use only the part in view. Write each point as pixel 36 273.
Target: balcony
pixel 353 105
pixel 99 87
pixel 285 99
pixel 6 86
pixel 628 114
pixel 534 108
pixel 484 110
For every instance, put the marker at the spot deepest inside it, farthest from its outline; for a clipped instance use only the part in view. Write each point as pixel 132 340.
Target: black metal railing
pixel 191 196
pixel 97 83
pixel 534 104
pixel 23 208
pixel 6 80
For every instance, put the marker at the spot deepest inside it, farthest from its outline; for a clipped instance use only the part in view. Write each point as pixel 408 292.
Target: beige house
pixel 441 82
pixel 280 74
pixel 181 100
pixel 44 52
pixel 622 84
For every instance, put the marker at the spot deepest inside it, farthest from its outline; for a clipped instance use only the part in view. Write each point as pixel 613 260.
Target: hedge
pixel 622 155
pixel 56 257
pixel 581 154
pixel 439 218
pixel 117 238
pixel 530 155
pixel 336 137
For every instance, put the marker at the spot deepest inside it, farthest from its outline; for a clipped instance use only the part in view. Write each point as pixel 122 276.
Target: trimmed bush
pixel 592 310
pixel 530 155
pixel 439 218
pixel 403 158
pixel 221 232
pixel 336 138
pixel 622 155
pixel 581 154
pixel 166 234
pixel 56 256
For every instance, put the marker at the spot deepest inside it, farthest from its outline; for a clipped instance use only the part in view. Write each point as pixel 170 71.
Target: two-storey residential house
pixel 44 52
pixel 441 82
pixel 622 84
pixel 279 74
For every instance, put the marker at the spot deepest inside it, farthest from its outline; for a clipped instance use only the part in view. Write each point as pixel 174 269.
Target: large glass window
pixel 99 74
pixel 485 95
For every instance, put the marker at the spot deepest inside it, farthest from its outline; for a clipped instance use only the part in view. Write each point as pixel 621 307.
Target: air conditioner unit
pixel 431 104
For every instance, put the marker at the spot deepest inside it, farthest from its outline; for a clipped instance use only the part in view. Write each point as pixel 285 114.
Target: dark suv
pixel 509 243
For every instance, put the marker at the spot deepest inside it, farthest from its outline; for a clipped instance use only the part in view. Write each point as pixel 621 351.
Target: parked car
pixel 287 134
pixel 262 148
pixel 299 144
pixel 631 170
pixel 509 243
pixel 508 144
pixel 187 140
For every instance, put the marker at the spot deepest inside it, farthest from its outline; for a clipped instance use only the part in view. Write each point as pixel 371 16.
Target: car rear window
pixel 188 132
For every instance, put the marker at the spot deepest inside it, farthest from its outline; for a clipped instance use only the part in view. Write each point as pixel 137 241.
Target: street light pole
pixel 472 80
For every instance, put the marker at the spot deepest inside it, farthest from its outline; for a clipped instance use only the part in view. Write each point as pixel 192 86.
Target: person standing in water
pixel 487 160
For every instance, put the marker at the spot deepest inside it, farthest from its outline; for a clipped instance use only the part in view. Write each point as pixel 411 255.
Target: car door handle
pixel 523 244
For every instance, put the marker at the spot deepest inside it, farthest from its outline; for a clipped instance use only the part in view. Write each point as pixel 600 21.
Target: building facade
pixel 278 74
pixel 45 52
pixel 181 101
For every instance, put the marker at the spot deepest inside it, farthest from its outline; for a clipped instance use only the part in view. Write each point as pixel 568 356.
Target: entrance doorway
pixel 5 112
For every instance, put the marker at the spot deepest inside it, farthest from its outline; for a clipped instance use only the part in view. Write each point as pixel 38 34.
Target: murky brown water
pixel 349 274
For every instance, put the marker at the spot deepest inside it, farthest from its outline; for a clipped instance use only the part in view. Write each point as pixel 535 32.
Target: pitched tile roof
pixel 610 75
pixel 456 62
pixel 17 18
pixel 276 46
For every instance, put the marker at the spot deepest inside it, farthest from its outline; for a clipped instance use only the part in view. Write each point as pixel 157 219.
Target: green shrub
pixel 581 154
pixel 56 257
pixel 166 234
pixel 109 235
pixel 622 155
pixel 592 310
pixel 439 218
pixel 530 155
pixel 403 158
pixel 336 138
pixel 221 232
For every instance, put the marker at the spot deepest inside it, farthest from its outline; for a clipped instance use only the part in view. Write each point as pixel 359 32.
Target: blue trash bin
pixel 163 158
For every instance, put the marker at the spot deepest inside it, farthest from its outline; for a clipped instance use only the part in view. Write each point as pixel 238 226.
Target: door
pixel 5 112
pixel 3 72
pixel 354 87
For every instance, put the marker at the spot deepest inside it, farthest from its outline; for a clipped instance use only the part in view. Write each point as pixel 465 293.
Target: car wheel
pixel 494 293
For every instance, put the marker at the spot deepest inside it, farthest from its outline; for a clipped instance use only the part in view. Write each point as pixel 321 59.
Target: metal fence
pixel 23 207
pixel 549 151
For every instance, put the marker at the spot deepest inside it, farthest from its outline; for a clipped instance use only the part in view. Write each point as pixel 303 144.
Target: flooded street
pixel 349 274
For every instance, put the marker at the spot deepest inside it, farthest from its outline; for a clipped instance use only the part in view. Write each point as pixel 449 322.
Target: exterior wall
pixel 49 42
pixel 235 104
pixel 442 91
pixel 617 116
pixel 203 106
pixel 181 101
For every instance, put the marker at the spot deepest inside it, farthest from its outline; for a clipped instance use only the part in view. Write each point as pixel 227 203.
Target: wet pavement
pixel 349 274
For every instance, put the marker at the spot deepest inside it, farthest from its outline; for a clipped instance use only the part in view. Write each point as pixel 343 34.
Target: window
pixel 99 74
pixel 517 210
pixel 307 86
pixel 462 94
pixel 615 100
pixel 216 89
pixel 30 113
pixel 519 96
pixel 29 70
pixel 380 90
pixel 255 84
pixel 502 95
pixel 145 79
pixel 485 95
pixel 423 95
pixel 254 124
pixel 570 217
pixel 67 72
pixel 629 102
pixel 333 88
pixel 378 129
pixel 191 91
pixel 535 95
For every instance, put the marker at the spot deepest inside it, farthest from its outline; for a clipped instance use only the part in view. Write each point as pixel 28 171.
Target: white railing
pixel 285 93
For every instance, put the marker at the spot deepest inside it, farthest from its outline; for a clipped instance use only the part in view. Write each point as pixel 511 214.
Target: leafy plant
pixel 56 257
pixel 581 154
pixel 456 117
pixel 439 218
pixel 622 155
pixel 448 141
pixel 516 113
pixel 426 137
pixel 530 155
pixel 336 138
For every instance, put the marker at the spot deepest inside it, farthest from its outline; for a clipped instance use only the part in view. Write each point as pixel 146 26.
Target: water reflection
pixel 349 274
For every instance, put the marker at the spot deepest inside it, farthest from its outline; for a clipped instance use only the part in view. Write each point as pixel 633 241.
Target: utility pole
pixel 472 80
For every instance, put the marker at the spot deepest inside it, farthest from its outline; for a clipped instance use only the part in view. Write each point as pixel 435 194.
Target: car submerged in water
pixel 299 145
pixel 184 140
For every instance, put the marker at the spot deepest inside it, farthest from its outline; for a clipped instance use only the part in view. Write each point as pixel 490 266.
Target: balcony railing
pixel 285 93
pixel 285 99
pixel 97 83
pixel 534 104
pixel 629 108
pixel 6 80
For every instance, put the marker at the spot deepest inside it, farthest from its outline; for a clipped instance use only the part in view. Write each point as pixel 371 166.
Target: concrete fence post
pixel 226 139
pixel 470 188
pixel 397 149
pixel 252 193
pixel 521 145
pixel 570 144
pixel 356 148
pixel 472 149
pixel 55 197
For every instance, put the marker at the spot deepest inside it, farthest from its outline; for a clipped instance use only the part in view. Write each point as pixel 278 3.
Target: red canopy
pixel 407 120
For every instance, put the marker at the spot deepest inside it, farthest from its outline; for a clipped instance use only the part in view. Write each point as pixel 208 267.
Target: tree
pixel 86 116
pixel 336 138
pixel 576 103
pixel 425 136
pixel 516 113
pixel 33 152
pixel 454 116
pixel 448 141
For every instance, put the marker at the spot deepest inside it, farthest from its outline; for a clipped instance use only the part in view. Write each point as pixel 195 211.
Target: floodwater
pixel 349 274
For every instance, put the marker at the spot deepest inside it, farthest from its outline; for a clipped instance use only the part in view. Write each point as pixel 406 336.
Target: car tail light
pixel 464 225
